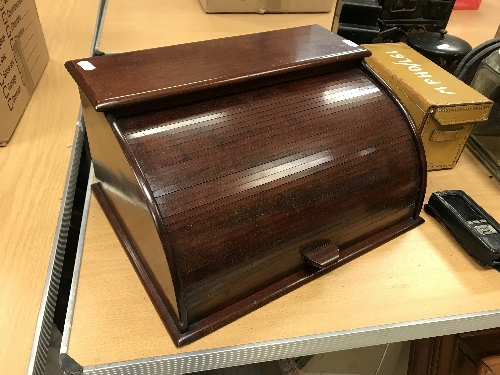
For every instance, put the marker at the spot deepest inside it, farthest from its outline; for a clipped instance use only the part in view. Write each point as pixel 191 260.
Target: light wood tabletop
pixel 476 26
pixel 33 170
pixel 123 33
pixel 420 277
pixel 184 21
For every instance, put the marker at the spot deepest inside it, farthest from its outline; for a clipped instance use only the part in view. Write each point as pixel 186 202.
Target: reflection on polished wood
pixel 33 168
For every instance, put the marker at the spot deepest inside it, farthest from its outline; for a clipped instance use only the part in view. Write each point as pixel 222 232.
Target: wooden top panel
pixel 33 169
pixel 421 274
pixel 123 79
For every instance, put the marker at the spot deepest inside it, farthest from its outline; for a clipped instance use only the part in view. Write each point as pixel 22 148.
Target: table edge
pixel 41 338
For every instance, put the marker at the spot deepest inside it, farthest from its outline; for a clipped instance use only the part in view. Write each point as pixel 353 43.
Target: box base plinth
pixel 231 313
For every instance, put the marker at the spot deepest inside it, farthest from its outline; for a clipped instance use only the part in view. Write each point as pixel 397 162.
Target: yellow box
pixel 444 108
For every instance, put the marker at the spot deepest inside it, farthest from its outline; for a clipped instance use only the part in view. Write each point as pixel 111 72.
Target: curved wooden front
pixel 248 184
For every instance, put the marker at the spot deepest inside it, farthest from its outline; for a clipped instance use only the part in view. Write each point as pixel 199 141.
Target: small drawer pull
pixel 323 256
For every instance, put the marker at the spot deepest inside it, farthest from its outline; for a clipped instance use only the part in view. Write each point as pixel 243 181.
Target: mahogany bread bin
pixel 236 170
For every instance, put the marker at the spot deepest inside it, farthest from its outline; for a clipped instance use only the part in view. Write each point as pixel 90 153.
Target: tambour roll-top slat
pixel 261 188
pixel 291 160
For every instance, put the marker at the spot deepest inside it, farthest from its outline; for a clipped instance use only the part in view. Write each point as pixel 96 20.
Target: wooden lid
pixel 120 80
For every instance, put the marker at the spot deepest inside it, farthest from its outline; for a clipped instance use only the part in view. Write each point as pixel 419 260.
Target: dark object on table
pixel 236 170
pixel 360 12
pixel 467 68
pixel 412 26
pixel 444 50
pixel 469 223
pixel 481 70
pixel 487 82
pixel 414 16
pixel 391 35
pixel 432 13
pixel 396 19
pixel 359 34
pixel 402 9
pixel 359 20
pixel 438 10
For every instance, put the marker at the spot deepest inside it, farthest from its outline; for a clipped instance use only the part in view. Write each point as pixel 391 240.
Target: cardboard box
pixel 444 108
pixel 467 4
pixel 336 15
pixel 23 57
pixel 267 6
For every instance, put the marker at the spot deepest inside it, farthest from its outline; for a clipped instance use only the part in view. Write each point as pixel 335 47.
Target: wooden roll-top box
pixel 235 170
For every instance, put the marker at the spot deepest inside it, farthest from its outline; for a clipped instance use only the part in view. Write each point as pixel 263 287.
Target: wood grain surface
pixel 164 74
pixel 275 149
pixel 33 170
pixel 184 21
pixel 475 26
pixel 422 274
